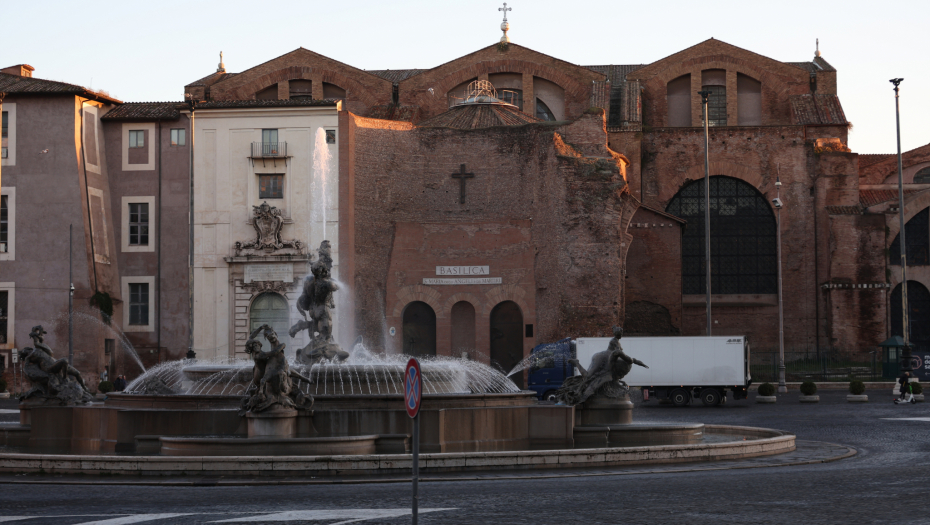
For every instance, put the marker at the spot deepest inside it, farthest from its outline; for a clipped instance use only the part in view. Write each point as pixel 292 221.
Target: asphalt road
pixel 886 482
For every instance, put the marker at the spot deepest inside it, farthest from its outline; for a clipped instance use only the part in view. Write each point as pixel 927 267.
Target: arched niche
pixel 507 338
pixel 419 329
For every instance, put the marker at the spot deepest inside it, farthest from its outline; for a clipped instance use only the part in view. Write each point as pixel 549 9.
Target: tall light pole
pixel 906 352
pixel 704 96
pixel 782 388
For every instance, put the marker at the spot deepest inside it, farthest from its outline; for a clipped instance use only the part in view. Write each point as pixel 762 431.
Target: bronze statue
pixel 605 377
pixel 52 381
pixel 272 379
pixel 314 305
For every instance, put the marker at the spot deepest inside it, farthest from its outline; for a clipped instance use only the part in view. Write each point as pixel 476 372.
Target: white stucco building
pixel 260 174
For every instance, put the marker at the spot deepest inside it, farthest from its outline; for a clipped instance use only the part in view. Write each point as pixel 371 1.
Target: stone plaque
pixel 458 271
pixel 462 280
pixel 269 272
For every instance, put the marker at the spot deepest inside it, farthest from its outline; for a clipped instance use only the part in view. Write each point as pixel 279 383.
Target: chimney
pixel 20 70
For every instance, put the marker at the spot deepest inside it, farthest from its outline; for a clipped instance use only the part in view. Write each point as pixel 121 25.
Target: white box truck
pixel 681 368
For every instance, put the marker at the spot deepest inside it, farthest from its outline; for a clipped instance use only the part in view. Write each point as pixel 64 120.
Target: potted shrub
pixel 857 392
pixel 766 393
pixel 3 393
pixel 103 388
pixel 809 392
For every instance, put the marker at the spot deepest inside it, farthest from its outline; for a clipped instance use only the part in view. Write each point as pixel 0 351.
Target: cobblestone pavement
pixel 886 481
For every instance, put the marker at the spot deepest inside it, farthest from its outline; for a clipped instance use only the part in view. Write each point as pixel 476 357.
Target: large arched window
pixel 922 176
pixel 918 313
pixel 742 238
pixel 917 237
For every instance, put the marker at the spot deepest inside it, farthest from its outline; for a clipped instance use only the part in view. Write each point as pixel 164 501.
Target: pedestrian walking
pixel 905 380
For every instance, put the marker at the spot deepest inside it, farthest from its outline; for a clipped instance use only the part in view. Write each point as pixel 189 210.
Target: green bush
pixel 2 385
pixel 105 387
pixel 808 388
pixel 915 386
pixel 766 389
pixel 856 387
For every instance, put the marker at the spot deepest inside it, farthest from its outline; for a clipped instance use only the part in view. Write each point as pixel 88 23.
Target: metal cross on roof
pixel 505 9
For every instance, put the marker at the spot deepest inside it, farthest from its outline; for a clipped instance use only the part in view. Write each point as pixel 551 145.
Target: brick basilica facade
pixel 568 201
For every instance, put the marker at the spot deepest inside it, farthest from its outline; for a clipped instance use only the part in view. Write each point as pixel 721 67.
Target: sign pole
pixel 416 466
pixel 413 395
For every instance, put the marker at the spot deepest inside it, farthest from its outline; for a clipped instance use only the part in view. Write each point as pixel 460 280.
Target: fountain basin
pixel 639 434
pixel 281 423
pixel 222 446
pixel 759 442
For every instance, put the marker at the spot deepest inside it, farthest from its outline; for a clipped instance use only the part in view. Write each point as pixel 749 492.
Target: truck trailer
pixel 680 368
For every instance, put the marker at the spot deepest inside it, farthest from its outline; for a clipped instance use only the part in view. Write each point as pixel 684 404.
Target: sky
pixel 146 51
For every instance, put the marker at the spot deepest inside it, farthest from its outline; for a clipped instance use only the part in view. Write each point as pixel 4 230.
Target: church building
pixel 501 200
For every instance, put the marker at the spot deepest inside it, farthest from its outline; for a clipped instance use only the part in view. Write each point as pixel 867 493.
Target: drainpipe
pixel 158 254
pixel 190 246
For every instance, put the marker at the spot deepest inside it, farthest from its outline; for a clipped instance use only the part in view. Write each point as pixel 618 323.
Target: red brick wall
pixel 779 80
pixel 573 209
pixel 363 90
pixel 575 80
pixel 653 275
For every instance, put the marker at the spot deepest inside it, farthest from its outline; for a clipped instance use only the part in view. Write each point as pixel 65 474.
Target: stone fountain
pixel 603 410
pixel 331 411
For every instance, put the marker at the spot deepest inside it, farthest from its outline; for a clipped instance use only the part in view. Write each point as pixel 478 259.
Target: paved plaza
pixel 885 481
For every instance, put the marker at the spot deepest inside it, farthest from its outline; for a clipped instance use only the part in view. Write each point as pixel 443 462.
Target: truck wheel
pixel 710 397
pixel 550 396
pixel 680 397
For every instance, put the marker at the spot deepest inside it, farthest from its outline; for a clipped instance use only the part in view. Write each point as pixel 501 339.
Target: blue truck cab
pixel 550 368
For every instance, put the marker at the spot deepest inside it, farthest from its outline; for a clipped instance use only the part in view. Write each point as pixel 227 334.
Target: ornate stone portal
pixel 268 222
pixel 53 382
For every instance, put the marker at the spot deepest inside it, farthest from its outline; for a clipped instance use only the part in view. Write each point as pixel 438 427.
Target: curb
pixel 485 476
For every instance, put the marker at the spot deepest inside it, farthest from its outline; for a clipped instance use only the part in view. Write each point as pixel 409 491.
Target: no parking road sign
pixel 413 394
pixel 413 387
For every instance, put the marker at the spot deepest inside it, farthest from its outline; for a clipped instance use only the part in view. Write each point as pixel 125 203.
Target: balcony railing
pixel 267 150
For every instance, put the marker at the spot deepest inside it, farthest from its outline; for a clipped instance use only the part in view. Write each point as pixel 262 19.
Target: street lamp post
pixel 782 388
pixel 906 351
pixel 704 96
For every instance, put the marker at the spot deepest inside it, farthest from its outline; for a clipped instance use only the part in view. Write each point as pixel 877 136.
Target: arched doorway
pixel 463 329
pixel 270 308
pixel 507 338
pixel 918 309
pixel 742 238
pixel 419 329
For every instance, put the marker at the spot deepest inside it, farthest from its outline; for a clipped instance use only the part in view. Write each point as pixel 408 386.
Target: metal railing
pixel 269 149
pixel 810 366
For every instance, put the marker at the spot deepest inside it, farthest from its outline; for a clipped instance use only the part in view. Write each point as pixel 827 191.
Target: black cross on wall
pixel 462 177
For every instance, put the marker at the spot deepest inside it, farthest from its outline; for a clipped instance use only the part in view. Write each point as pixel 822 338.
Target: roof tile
pixel 477 116
pixel 17 85
pixel 147 111
pixel 817 109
